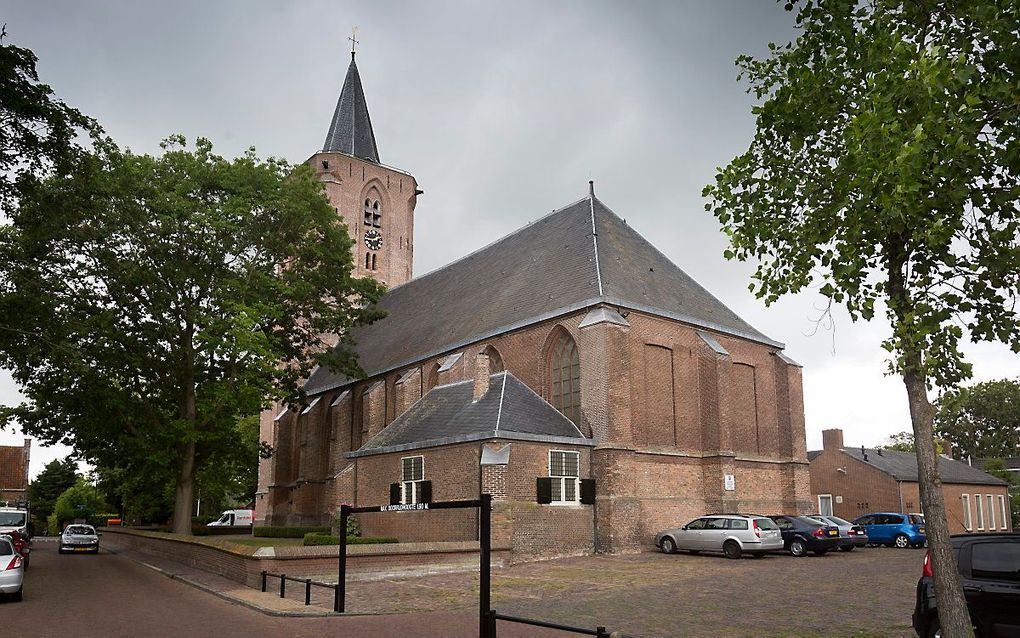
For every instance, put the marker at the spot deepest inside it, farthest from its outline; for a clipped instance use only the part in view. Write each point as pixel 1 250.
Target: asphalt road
pixel 110 595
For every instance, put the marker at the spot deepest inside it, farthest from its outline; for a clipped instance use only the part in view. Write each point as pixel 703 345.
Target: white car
pixel 12 570
pixel 79 538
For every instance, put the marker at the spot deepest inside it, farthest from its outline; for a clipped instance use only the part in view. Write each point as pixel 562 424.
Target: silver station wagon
pixel 731 534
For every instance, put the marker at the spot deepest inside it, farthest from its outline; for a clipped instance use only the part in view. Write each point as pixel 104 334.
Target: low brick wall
pixel 245 564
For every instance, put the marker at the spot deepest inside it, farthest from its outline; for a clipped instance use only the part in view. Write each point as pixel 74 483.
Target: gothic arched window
pixel 565 377
pixel 376 214
pixel 495 360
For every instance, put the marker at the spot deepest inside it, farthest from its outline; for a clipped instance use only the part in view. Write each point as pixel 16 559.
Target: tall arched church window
pixel 368 261
pixel 373 261
pixel 565 377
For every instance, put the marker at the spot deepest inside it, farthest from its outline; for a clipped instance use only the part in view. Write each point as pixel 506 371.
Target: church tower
pixel 375 201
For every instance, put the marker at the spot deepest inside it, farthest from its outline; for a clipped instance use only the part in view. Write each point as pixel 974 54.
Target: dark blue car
pixel 894 529
pixel 802 534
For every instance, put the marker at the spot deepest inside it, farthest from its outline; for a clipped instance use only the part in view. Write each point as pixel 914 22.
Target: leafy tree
pixel 983 420
pixel 885 172
pixel 156 301
pixel 38 133
pixel 54 479
pixel 904 442
pixel 81 500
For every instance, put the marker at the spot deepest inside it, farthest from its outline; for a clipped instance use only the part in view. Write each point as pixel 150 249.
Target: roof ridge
pixel 487 246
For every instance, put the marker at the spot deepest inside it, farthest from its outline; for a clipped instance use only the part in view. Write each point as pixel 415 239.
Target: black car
pixel 802 534
pixel 990 573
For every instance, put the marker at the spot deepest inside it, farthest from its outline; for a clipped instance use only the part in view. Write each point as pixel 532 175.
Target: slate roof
pixel 350 131
pixel 813 454
pixel 546 269
pixel 903 467
pixel 446 414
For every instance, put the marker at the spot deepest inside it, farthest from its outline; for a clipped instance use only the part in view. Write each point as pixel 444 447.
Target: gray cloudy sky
pixel 502 111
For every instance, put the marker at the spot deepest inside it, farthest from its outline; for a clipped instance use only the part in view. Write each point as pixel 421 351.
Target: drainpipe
pixel 899 488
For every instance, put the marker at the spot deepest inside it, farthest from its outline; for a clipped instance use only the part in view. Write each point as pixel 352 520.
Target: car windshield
pixel 766 523
pixel 917 519
pixel 12 519
pixel 81 530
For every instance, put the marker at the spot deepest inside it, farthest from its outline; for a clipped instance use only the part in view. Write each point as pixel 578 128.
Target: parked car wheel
pixel 668 546
pixel 846 548
pixel 797 547
pixel 902 541
pixel 731 549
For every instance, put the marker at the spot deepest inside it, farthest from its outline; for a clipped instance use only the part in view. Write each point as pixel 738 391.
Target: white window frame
pixel 564 479
pixel 991 512
pixel 980 513
pixel 967 515
pixel 820 509
pixel 1003 513
pixel 410 488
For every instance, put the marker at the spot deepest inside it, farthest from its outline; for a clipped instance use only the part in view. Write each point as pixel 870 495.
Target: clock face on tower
pixel 373 239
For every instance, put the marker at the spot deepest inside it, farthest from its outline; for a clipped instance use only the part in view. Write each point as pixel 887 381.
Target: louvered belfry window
pixel 565 372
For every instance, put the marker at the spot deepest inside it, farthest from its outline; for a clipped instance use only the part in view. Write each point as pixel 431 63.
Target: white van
pixel 234 518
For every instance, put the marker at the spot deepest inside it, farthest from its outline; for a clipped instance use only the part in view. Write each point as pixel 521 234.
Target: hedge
pixel 327 539
pixel 289 532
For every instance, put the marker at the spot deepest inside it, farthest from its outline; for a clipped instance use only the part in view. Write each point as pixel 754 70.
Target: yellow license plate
pixel 833 532
pixel 82 549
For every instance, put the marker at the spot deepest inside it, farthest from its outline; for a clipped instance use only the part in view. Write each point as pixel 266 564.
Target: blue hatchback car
pixel 892 528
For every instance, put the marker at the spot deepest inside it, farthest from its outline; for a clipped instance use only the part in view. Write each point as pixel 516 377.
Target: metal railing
pixel 600 632
pixel 307 582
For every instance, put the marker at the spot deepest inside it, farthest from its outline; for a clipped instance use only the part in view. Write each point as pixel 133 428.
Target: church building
pixel 569 369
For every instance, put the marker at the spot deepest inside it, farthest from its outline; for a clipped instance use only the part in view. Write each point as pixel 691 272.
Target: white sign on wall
pixel 839 499
pixel 729 482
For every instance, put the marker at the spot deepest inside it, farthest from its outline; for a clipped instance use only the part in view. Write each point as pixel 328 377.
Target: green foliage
pixel 884 172
pixel 982 420
pixel 38 133
pixel 150 301
pixel 54 479
pixel 288 532
pixel 81 500
pixel 327 539
pixel 904 442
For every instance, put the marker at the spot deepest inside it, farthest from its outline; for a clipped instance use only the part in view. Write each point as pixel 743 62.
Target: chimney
pixel 481 377
pixel 832 439
pixel 947 449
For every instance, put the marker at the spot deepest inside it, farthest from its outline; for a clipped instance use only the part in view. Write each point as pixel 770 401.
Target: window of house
pixel 1003 512
pixel 966 512
pixel 991 512
pixel 980 509
pixel 563 469
pixel 565 377
pixel 412 474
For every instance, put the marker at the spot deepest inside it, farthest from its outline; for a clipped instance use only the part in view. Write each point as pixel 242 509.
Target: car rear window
pixel 6 549
pixel 917 519
pixel 1000 561
pixel 766 523
pixel 80 529
pixel 813 522
pixel 839 521
pixel 737 523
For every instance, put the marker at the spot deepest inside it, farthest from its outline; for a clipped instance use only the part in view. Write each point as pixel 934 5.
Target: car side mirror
pixel 684 527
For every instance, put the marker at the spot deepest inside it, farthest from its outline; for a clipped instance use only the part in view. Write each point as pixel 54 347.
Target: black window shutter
pixel 394 493
pixel 588 491
pixel 543 488
pixel 425 495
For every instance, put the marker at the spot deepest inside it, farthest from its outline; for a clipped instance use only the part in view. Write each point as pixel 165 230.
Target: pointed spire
pixel 350 131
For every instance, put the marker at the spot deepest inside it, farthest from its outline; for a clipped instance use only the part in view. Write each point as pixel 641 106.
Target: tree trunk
pixel 952 606
pixel 185 491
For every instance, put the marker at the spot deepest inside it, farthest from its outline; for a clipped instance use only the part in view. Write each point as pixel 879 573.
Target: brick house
pixel 570 369
pixel 856 481
pixel 14 471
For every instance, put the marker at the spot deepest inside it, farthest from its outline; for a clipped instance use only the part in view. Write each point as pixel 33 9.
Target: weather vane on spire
pixel 354 40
